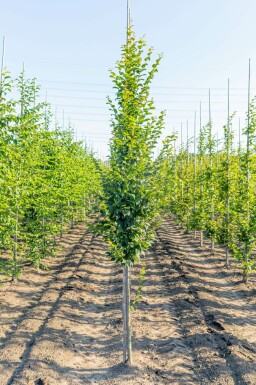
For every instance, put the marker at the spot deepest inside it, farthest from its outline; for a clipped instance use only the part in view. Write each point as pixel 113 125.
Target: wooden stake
pixel 228 184
pixel 127 341
pixel 187 187
pixel 128 16
pixel 201 167
pixel 245 275
pixel 239 138
pixel 2 68
pixel 210 149
pixel 181 164
pixel 194 198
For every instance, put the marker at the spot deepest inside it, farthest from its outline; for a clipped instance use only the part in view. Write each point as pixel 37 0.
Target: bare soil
pixel 196 323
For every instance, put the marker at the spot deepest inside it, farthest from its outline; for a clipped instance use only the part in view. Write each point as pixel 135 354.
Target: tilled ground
pixel 196 323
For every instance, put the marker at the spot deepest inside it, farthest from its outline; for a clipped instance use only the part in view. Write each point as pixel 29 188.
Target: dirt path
pixel 195 325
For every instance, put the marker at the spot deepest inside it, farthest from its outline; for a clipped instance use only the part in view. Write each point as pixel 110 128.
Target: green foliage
pixel 220 197
pixel 138 295
pixel 130 201
pixel 46 179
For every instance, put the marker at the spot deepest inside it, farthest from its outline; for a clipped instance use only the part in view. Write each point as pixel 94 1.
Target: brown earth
pixel 196 323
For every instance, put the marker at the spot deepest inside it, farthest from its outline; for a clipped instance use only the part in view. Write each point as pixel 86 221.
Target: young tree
pixel 245 216
pixel 130 200
pixel 47 180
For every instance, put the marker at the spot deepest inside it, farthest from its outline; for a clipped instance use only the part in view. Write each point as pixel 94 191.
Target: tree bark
pixel 127 342
pixel 201 238
pixel 124 317
pixel 227 257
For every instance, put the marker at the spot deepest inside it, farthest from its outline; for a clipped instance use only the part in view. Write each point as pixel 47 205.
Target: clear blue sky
pixel 70 46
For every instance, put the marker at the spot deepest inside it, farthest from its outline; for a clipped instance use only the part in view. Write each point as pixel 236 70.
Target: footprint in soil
pixel 209 318
pixel 40 381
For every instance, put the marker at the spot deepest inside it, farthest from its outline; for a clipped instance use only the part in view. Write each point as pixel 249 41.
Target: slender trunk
pixel 72 219
pixel 84 210
pixel 227 257
pixel 201 238
pixel 61 230
pixel 124 317
pixel 15 237
pixel 15 248
pixel 44 238
pixel 129 337
pixel 127 342
pixel 245 272
pixel 70 205
pixel 187 224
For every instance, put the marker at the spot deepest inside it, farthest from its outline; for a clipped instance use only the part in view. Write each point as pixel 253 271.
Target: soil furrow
pixel 16 350
pixel 220 353
pixel 194 325
pixel 22 312
pixel 76 343
pixel 209 365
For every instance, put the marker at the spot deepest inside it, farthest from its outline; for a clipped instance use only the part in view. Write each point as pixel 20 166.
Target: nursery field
pixel 136 270
pixel 195 323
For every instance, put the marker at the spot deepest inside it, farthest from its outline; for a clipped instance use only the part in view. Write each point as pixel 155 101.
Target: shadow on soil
pixel 164 278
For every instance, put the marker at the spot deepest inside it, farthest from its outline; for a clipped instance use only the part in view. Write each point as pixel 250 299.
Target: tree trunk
pixel 227 257
pixel 124 317
pixel 201 238
pixel 44 239
pixel 72 217
pixel 245 272
pixel 15 247
pixel 127 342
pixel 61 230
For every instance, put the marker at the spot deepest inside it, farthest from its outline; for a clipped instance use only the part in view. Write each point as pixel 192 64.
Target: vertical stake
pixel 245 274
pixel 63 120
pixel 228 136
pixel 194 208
pixel 187 145
pixel 201 169
pixel 210 150
pixel 248 140
pixel 186 178
pixel 56 119
pixel 181 139
pixel 2 66
pixel 45 111
pixel 128 16
pixel 2 60
pixel 127 343
pixel 34 93
pixel 239 137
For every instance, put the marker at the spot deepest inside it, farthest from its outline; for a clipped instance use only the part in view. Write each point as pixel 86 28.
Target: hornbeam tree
pixel 130 200
pixel 245 215
pixel 47 180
